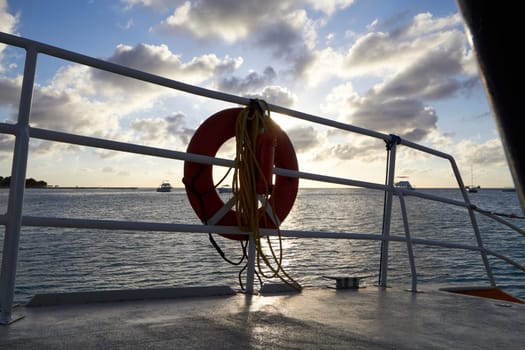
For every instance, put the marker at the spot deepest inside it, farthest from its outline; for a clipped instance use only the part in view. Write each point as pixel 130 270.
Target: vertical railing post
pixel 16 192
pixel 250 272
pixel 473 222
pixel 387 211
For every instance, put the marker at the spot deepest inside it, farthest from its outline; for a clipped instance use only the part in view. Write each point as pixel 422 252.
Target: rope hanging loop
pixel 252 183
pixel 255 156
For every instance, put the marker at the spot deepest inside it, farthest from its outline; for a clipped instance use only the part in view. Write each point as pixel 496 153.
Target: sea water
pixel 54 260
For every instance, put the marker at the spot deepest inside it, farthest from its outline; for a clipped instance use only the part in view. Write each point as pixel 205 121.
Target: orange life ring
pixel 198 178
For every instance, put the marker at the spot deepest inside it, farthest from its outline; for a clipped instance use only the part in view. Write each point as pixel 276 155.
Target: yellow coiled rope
pixel 253 120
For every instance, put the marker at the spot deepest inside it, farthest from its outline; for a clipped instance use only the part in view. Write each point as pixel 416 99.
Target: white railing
pixel 14 219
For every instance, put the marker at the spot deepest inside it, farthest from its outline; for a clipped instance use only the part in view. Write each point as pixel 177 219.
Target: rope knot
pixel 394 140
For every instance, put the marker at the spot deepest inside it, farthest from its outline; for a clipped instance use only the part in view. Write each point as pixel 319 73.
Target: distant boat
pixel 164 187
pixel 224 189
pixel 404 185
pixel 472 189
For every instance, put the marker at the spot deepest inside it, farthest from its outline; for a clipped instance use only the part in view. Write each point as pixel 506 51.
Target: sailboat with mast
pixel 471 188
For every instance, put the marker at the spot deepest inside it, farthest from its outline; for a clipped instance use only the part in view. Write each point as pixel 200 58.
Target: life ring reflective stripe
pixel 198 178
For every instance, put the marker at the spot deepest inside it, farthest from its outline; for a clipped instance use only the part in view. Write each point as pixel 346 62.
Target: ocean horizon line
pixel 181 187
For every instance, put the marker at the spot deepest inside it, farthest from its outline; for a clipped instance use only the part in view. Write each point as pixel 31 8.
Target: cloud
pixel 314 70
pixel 330 6
pixel 177 128
pixel 158 5
pixel 8 23
pixel 226 20
pixel 334 145
pixel 111 170
pixel 423 61
pixel 369 150
pixel 82 100
pixel 407 117
pixel 84 93
pixel 435 75
pixel 129 24
pixel 276 95
pixel 53 110
pixel 290 32
pixel 378 53
pixel 304 138
pixel 255 85
pixel 159 60
pixel 292 40
pixel 425 24
pixel 488 153
pixel 251 82
pixel 162 130
pixel 284 28
pixel 10 95
pixel 6 146
pixel 430 52
pixel 231 20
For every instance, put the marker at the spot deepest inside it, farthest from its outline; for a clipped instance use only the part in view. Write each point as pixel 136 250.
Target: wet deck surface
pixel 368 318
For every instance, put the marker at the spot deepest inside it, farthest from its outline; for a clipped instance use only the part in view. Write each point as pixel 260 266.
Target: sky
pixel 397 67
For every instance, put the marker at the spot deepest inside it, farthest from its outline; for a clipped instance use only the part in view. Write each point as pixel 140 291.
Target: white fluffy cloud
pixel 83 100
pixel 159 60
pixel 231 20
pixel 150 130
pixel 276 95
pixel 8 24
pixel 8 21
pixel 487 153
pixel 425 60
pixel 304 138
pixel 285 28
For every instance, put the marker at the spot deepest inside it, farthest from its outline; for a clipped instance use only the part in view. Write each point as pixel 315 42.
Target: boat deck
pixel 368 318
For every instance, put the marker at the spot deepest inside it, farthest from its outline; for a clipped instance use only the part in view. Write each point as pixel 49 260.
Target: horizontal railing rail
pixel 125 225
